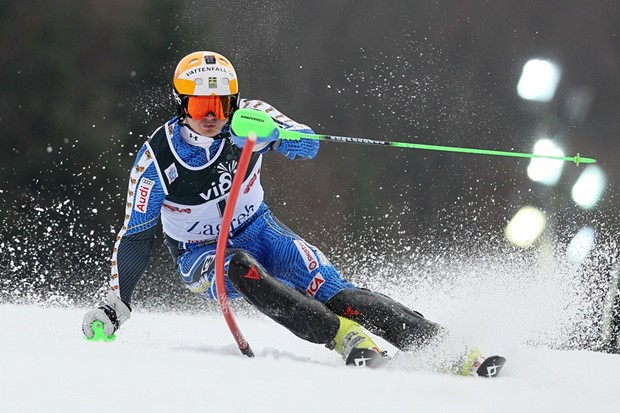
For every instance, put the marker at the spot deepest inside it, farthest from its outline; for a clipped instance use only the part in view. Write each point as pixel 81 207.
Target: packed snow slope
pixel 164 362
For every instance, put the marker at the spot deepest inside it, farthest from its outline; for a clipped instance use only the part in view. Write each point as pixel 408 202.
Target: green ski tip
pixel 98 333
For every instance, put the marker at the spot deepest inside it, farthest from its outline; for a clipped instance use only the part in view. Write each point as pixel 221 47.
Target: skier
pixel 183 173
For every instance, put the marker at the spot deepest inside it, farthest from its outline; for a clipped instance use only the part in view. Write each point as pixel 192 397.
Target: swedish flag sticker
pixel 213 82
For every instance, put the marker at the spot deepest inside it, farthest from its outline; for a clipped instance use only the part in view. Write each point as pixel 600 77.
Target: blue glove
pixel 262 142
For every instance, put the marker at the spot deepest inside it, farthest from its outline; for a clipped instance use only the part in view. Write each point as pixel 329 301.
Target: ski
pixel 362 357
pixel 491 366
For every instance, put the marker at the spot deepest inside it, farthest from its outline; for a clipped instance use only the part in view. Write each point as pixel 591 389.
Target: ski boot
pixel 355 346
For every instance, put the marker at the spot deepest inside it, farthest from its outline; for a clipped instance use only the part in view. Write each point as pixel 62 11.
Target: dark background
pixel 84 83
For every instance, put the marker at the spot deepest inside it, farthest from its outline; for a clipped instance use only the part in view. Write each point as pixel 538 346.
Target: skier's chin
pixel 209 131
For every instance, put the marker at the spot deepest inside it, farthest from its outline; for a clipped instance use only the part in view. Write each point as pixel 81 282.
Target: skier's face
pixel 208 126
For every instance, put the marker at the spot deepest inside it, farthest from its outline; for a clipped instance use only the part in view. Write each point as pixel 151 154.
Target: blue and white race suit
pixel 185 179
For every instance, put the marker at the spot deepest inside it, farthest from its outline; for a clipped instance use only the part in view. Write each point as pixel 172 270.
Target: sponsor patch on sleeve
pixel 143 192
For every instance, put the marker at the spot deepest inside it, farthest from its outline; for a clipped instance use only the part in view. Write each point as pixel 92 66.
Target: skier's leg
pixel 291 259
pixel 409 330
pixel 305 317
pixel 306 268
pixel 396 323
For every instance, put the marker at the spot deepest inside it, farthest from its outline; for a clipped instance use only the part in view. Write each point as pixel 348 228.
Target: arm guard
pixel 303 148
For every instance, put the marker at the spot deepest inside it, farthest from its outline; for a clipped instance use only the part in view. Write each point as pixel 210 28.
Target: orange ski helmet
pixel 205 82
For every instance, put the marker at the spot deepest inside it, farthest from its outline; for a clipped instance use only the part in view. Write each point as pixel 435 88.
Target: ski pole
pixel 222 240
pixel 246 120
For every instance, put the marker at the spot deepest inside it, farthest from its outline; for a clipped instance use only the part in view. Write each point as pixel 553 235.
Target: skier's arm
pixel 133 246
pixel 134 242
pixel 293 149
pixel 133 252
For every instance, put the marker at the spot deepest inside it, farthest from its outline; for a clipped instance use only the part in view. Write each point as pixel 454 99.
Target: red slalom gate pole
pixel 222 240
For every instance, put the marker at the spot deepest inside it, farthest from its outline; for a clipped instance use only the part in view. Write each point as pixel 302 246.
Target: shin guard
pixel 305 317
pixel 397 324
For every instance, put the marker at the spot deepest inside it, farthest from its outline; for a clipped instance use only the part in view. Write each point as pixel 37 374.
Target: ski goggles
pixel 197 107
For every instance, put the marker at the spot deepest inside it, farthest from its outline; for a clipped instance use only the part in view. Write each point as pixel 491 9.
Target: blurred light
pixel 589 187
pixel 581 245
pixel 578 103
pixel 526 226
pixel 546 171
pixel 539 80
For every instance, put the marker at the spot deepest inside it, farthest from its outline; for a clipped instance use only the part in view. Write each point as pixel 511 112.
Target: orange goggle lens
pixel 197 107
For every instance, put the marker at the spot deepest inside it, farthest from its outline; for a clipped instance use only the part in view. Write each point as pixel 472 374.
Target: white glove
pixel 112 315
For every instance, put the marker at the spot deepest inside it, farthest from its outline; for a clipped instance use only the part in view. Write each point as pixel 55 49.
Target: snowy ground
pixel 164 362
